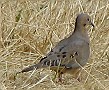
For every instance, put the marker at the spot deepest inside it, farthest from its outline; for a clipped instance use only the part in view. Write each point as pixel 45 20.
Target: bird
pixel 71 53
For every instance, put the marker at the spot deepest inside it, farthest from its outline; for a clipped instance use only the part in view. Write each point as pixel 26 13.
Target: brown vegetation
pixel 30 28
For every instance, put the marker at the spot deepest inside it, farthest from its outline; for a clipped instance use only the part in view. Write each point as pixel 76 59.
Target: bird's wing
pixel 64 55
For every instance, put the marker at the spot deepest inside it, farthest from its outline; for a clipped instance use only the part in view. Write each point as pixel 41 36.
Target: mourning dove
pixel 70 53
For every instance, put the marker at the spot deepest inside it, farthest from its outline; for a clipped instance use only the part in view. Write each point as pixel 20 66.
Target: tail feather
pixel 30 68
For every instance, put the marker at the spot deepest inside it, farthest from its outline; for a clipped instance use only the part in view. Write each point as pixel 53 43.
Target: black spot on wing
pixel 71 56
pixel 64 52
pixel 64 56
pixel 76 53
pixel 58 55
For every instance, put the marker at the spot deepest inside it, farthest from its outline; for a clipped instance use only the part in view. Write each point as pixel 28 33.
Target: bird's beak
pixel 92 24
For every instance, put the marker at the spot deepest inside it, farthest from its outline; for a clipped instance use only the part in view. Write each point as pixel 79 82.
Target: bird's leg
pixel 60 72
pixel 79 78
pixel 60 77
pixel 78 75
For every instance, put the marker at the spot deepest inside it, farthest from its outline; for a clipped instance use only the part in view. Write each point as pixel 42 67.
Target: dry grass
pixel 29 29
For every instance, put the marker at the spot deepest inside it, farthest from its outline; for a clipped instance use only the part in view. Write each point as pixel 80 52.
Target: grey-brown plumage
pixel 65 55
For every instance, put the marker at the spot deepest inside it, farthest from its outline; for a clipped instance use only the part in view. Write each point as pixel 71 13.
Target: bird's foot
pixel 79 79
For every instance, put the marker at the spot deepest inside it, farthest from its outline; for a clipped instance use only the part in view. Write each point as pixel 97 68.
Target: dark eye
pixel 88 19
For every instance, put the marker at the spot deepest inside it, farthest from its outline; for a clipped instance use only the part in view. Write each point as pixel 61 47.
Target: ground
pixel 30 28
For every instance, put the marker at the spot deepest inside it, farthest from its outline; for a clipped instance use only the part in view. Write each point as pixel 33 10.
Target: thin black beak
pixel 92 24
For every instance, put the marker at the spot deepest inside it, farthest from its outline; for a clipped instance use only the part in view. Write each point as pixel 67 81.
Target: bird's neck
pixel 79 27
pixel 81 32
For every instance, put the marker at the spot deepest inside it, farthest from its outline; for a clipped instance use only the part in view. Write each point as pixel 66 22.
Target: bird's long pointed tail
pixel 30 68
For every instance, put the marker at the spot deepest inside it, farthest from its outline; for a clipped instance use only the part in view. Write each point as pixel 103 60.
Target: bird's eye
pixel 88 19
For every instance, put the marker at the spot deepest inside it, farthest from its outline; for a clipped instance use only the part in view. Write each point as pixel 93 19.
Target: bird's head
pixel 84 20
